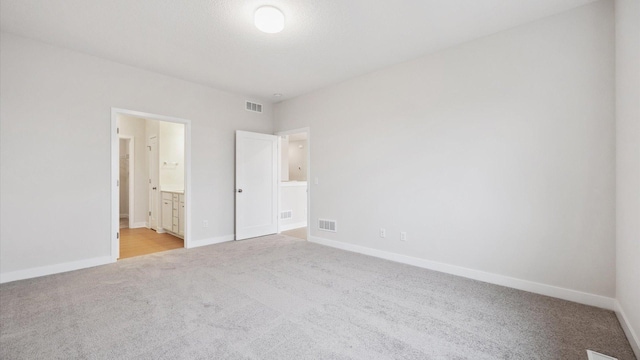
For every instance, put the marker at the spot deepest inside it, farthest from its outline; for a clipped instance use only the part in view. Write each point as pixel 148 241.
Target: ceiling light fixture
pixel 269 19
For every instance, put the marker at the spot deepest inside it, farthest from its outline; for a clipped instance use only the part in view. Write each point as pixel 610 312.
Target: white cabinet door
pixel 167 213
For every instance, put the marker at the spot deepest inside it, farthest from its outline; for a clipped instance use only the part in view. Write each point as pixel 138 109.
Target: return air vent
pixel 255 107
pixel 288 214
pixel 597 356
pixel 327 225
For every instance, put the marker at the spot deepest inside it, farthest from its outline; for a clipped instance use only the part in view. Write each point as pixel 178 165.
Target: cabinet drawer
pixel 167 196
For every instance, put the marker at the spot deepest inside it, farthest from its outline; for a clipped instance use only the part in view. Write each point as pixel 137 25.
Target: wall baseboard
pixel 211 241
pixel 53 269
pixel 525 285
pixel 292 226
pixel 138 225
pixel 628 330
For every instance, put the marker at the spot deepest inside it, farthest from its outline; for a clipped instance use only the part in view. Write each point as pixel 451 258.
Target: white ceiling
pixel 214 42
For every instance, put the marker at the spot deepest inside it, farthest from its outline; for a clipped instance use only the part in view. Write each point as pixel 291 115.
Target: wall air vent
pixel 327 225
pixel 592 355
pixel 288 214
pixel 255 107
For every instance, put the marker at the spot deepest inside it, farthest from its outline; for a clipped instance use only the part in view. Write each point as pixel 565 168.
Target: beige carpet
pixel 279 297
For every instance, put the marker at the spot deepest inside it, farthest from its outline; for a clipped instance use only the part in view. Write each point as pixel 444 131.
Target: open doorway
pixel 126 166
pixel 155 152
pixel 294 190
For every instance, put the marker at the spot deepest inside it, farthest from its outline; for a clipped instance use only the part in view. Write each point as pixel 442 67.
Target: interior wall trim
pixel 520 284
pixel 628 330
pixel 211 241
pixel 53 269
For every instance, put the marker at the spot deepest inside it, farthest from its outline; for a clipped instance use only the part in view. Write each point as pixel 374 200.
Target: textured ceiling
pixel 215 43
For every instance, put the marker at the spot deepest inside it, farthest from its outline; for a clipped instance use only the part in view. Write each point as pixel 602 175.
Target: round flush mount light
pixel 269 19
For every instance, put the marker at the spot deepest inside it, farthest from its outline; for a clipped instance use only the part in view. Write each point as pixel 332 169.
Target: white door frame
pixel 115 175
pixel 291 132
pixel 150 194
pixel 132 177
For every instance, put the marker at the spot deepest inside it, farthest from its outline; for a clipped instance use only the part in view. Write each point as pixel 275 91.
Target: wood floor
pixel 143 241
pixel 300 233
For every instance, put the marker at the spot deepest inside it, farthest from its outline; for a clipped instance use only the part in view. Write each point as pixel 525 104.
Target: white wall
pixel 284 158
pixel 628 163
pixel 124 177
pixel 496 155
pixel 56 113
pixel 298 160
pixel 136 127
pixel 171 156
pixel 293 196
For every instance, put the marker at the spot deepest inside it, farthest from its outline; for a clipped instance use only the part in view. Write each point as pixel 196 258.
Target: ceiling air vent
pixel 327 225
pixel 255 107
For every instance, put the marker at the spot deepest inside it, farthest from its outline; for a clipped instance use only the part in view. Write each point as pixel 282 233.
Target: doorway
pixel 156 151
pixel 127 190
pixel 294 197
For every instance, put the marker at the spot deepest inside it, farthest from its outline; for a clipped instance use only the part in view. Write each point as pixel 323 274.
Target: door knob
pixel 239 190
pixel 154 188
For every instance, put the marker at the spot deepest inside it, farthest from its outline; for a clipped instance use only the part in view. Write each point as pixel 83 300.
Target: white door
pixel 153 182
pixel 256 184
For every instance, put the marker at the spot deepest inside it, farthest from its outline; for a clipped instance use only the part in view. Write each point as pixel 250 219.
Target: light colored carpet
pixel 283 298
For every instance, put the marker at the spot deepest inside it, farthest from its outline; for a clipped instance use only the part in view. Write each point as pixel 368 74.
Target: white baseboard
pixel 526 285
pixel 138 225
pixel 53 269
pixel 292 226
pixel 628 330
pixel 211 241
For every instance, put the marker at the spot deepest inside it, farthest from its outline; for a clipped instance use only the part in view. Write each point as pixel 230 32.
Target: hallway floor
pixel 300 233
pixel 143 241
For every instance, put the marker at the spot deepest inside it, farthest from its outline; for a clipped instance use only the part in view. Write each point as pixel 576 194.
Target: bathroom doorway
pixel 293 187
pixel 127 189
pixel 151 159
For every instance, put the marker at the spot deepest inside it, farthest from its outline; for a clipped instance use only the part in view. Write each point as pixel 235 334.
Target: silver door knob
pixel 239 190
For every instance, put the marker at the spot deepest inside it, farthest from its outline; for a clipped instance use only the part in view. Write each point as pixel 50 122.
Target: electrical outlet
pixel 383 233
pixel 403 236
pixel 205 223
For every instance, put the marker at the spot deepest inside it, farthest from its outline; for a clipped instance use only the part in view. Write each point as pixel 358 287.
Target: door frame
pixel 132 177
pixel 115 174
pixel 306 130
pixel 155 211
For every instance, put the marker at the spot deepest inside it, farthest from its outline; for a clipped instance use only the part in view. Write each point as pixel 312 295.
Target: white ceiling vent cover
pixel 255 107
pixel 327 225
pixel 597 356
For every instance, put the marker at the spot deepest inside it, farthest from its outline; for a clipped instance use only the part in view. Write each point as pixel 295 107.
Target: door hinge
pixel 149 213
pixel 118 235
pixel 117 182
pixel 117 130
